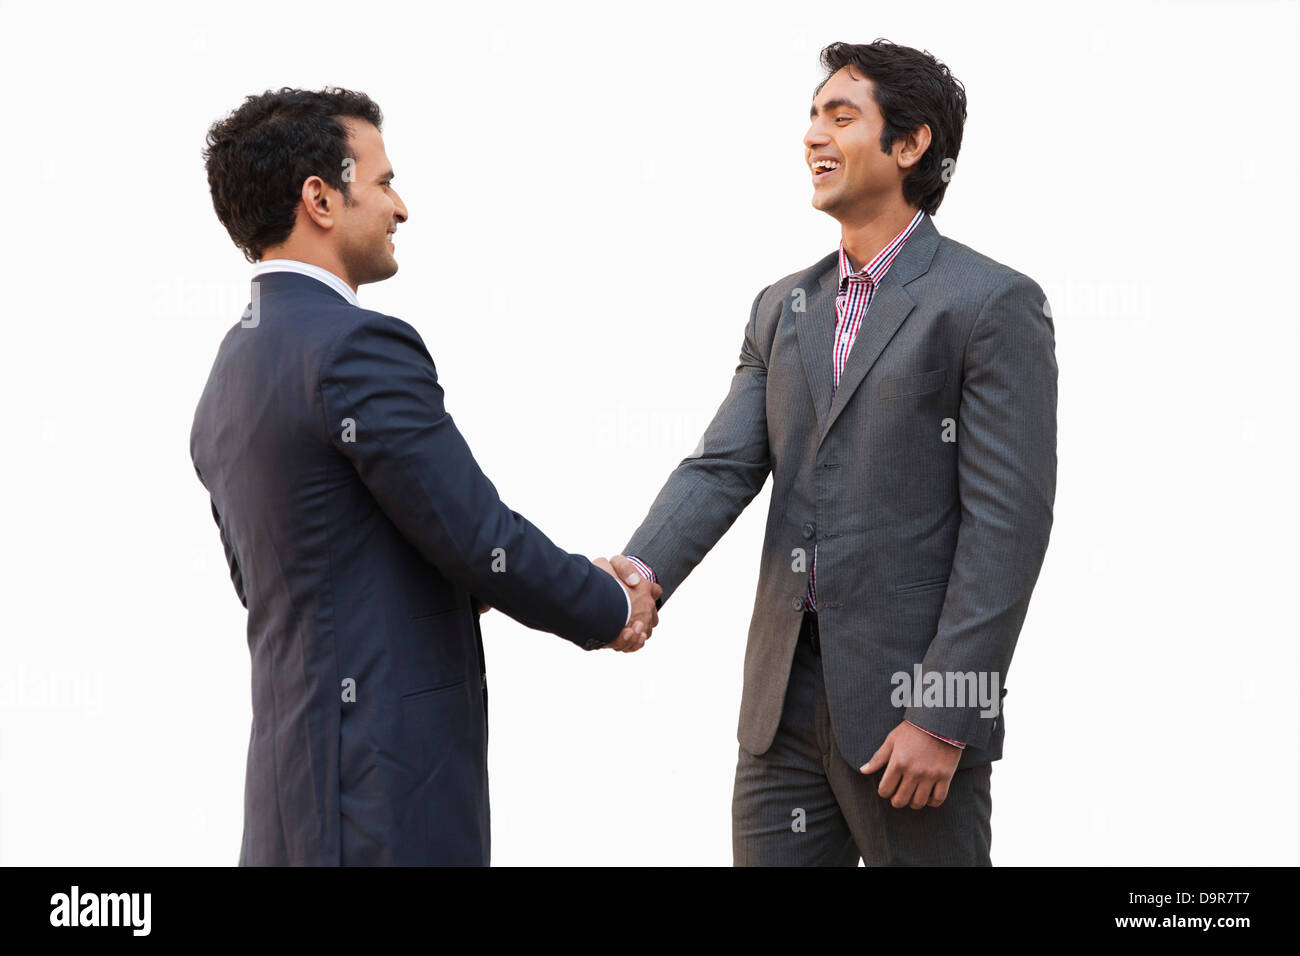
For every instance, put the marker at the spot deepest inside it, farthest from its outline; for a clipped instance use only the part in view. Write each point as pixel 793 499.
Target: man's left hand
pixel 918 767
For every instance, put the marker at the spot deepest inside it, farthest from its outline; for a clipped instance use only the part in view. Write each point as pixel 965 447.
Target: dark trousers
pixel 802 804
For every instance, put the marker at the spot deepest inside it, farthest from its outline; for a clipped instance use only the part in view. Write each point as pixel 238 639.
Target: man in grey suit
pixel 902 394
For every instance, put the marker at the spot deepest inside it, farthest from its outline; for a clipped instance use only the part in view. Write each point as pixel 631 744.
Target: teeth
pixel 826 164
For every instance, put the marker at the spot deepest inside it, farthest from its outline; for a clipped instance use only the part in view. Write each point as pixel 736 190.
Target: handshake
pixel 643 592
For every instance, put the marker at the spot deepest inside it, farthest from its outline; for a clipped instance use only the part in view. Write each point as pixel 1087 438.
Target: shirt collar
pixel 307 269
pixel 875 269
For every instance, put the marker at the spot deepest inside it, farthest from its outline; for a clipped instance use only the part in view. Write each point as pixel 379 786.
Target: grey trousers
pixel 802 804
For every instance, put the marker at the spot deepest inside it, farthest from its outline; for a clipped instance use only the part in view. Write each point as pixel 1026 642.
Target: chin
pixel 381 271
pixel 823 202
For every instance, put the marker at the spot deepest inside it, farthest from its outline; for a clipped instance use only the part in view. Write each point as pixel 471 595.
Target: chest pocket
pixel 922 383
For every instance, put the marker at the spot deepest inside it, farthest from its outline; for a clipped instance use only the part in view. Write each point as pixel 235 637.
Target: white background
pixel 596 194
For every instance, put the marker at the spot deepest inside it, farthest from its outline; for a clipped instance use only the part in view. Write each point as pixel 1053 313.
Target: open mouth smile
pixel 823 169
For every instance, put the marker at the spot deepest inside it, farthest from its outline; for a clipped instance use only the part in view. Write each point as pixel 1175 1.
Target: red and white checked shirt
pixel 857 289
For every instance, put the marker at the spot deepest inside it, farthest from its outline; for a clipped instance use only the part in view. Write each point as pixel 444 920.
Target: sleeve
pixel 1006 476
pixel 407 450
pixel 706 492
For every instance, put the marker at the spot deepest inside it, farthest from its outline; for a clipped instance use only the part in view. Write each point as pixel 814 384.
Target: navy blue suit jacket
pixel 357 524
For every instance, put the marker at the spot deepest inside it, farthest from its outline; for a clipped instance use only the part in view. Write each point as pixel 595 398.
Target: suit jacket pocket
pixel 433 746
pixel 921 384
pixel 425 691
pixel 929 584
pixel 433 650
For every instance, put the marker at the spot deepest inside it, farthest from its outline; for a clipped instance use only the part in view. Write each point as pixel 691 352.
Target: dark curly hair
pixel 912 88
pixel 258 157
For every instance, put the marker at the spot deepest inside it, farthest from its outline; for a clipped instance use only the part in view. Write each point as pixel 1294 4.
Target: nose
pixel 399 208
pixel 816 136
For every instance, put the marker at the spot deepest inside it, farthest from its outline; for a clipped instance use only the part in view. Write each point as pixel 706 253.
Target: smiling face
pixel 371 215
pixel 851 176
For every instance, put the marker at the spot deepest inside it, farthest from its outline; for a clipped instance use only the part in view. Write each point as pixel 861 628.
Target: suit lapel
pixel 889 307
pixel 816 330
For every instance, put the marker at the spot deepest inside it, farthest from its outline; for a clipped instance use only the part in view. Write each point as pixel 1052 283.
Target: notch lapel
pixel 816 330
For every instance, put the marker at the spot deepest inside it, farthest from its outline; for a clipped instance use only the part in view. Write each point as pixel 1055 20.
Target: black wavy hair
pixel 258 157
pixel 912 88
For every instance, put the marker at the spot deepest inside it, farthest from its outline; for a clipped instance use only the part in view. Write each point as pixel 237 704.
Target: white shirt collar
pixel 307 269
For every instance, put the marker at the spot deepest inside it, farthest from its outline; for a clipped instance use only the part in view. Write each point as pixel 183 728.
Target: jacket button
pixel 797 604
pixel 809 530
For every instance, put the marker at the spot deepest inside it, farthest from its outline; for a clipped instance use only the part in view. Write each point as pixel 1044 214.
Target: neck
pixel 864 236
pixel 322 258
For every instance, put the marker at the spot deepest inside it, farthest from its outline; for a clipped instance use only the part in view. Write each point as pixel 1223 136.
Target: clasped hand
pixel 644 594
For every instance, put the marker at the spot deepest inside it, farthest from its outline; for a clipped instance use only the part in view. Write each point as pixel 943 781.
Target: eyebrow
pixel 834 105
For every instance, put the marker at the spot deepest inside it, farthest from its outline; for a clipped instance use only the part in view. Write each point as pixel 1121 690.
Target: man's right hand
pixel 645 615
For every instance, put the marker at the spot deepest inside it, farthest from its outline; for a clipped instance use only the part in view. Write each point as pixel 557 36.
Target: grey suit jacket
pixel 926 485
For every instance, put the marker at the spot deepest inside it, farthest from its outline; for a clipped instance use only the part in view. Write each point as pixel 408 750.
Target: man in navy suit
pixel 361 534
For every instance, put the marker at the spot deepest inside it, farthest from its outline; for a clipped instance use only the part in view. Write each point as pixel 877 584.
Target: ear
pixel 320 201
pixel 914 145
